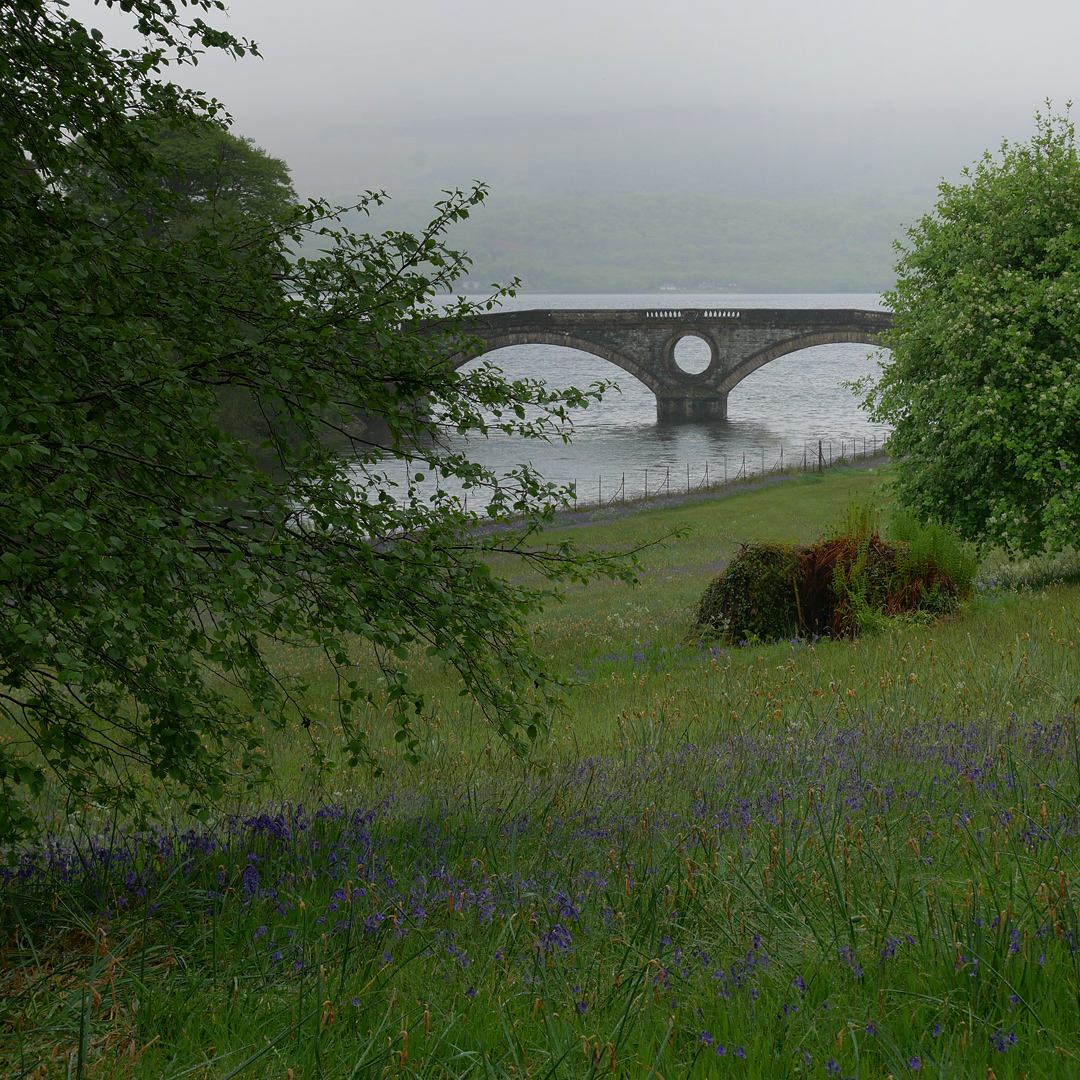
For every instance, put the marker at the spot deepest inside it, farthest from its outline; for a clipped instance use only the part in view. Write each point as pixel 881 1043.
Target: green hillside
pixel 638 243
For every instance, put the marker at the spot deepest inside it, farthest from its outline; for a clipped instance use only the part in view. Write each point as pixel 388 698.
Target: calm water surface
pixel 786 406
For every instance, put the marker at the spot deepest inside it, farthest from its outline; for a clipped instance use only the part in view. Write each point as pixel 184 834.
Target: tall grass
pixel 808 859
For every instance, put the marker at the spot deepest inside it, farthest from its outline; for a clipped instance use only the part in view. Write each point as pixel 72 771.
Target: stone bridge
pixel 643 342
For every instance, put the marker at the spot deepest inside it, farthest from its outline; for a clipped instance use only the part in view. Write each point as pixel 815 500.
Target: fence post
pixel 820 458
pixel 667 481
pixel 600 491
pixel 706 472
pixel 781 459
pixel 725 468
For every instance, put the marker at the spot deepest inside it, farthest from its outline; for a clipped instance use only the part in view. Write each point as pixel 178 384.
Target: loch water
pixel 784 408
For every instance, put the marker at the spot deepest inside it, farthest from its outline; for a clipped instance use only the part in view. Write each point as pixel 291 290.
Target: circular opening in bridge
pixel 692 354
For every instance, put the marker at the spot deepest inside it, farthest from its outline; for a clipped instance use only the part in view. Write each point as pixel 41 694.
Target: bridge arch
pixel 795 344
pixel 538 337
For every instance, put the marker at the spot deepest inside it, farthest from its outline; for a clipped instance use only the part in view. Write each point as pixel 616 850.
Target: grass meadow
pixel 809 859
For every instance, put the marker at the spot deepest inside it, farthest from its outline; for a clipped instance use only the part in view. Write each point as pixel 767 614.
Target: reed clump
pixel 842 585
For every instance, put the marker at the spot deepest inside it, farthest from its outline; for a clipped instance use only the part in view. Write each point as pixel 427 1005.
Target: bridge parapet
pixel 643 343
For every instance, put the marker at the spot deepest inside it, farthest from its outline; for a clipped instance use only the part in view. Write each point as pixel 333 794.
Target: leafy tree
pixel 218 173
pixel 213 173
pixel 983 388
pixel 146 561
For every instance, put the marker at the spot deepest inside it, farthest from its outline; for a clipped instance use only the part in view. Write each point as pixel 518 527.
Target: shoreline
pixel 615 511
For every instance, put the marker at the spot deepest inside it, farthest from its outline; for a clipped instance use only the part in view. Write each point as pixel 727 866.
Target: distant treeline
pixel 643 242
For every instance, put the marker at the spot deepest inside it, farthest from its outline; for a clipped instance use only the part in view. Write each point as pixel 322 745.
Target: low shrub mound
pixel 840 586
pixel 756 597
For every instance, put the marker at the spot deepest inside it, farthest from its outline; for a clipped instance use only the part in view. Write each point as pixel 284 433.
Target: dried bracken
pixel 832 588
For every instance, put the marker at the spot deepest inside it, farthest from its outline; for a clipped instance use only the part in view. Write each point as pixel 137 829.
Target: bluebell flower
pixel 847 956
pixel 1003 1040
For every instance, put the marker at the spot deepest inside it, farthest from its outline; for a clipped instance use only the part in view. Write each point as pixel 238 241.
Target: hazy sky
pixel 410 58
pixel 330 65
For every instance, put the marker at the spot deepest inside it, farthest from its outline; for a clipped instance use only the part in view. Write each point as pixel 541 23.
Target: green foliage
pixel 756 598
pixel 928 544
pixel 208 173
pixel 847 583
pixel 983 388
pixel 216 173
pixel 146 560
pixel 858 521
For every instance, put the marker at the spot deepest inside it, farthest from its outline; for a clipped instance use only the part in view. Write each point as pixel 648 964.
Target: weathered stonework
pixel 643 343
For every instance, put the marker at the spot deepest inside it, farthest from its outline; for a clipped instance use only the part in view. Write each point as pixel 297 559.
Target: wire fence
pixel 657 482
pixel 654 483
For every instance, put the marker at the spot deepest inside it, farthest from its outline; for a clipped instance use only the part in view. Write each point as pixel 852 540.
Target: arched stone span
pixel 533 337
pixel 641 342
pixel 795 344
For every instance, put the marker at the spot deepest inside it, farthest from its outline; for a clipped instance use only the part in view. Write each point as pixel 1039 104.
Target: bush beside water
pixel 843 584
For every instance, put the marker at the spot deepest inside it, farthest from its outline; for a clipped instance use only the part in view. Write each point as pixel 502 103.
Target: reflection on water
pixel 785 406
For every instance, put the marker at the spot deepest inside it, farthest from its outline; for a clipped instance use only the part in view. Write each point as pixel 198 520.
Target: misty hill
pixel 755 197
pixel 639 243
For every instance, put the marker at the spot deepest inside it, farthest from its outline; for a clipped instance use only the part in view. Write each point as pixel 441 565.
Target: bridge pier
pixel 691 406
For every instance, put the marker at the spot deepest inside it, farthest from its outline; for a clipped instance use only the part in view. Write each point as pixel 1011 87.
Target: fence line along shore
pixel 713 477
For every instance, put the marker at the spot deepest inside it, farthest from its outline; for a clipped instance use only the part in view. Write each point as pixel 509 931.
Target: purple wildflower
pixel 1003 1040
pixel 847 956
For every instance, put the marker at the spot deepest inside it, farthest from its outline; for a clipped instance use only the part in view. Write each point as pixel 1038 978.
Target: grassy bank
pixel 806 859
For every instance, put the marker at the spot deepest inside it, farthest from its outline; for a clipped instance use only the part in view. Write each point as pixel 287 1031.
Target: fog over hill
pixel 803 135
pixel 736 152
pixel 754 198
